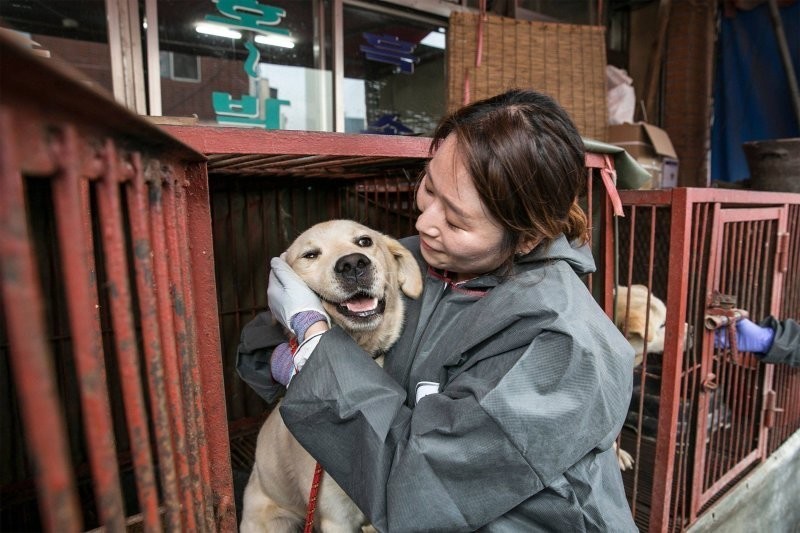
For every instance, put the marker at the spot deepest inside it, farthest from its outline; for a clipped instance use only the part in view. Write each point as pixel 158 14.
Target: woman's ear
pixel 527 245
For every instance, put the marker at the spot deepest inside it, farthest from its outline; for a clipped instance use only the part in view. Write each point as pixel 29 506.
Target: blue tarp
pixel 752 101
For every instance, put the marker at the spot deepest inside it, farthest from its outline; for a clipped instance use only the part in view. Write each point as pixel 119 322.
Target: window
pixel 261 67
pixel 73 31
pixel 394 69
pixel 180 67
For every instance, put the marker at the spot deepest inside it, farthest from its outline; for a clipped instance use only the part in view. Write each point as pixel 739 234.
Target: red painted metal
pixel 78 263
pixel 148 309
pixel 172 373
pixel 70 137
pixel 786 380
pixel 719 240
pixel 221 140
pixel 207 339
pixel 194 378
pixel 118 286
pixel 734 395
pixel 178 309
pixel 589 216
pixel 30 355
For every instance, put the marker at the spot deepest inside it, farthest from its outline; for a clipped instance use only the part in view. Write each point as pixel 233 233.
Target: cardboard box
pixel 652 148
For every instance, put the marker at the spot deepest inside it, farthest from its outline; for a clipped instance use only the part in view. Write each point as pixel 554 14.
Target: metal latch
pixel 722 311
pixel 770 408
pixel 782 253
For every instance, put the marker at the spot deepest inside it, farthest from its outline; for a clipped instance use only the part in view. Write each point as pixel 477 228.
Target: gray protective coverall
pixel 534 383
pixel 786 344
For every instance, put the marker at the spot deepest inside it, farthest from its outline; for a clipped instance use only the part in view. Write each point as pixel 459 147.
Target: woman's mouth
pixel 427 246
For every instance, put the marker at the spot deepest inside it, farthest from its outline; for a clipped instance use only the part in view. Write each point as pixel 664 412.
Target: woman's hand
pixel 288 295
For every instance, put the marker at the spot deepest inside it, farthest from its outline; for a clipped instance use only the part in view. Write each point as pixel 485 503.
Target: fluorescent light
pixel 435 39
pixel 219 31
pixel 275 40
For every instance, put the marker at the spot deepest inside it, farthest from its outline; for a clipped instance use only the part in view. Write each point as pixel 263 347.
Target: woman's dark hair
pixel 526 160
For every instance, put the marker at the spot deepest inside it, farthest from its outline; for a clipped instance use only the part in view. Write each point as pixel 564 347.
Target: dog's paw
pixel 624 459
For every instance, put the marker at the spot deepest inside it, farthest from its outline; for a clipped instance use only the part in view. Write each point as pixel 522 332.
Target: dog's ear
pixel 636 315
pixel 636 322
pixel 409 276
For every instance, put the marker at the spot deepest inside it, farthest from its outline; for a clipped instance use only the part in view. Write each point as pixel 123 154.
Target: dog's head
pixel 631 317
pixel 359 274
pixel 634 317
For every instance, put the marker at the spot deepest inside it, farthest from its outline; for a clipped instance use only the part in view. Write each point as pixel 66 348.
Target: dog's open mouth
pixel 361 306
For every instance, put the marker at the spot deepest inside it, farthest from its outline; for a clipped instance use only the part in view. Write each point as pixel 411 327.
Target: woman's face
pixel 456 232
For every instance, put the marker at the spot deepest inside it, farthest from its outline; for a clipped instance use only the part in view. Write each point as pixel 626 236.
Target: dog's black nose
pixel 352 266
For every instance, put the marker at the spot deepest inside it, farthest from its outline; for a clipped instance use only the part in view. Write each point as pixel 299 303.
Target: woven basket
pixel 566 61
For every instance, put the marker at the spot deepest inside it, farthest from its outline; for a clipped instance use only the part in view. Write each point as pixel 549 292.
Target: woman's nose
pixel 426 223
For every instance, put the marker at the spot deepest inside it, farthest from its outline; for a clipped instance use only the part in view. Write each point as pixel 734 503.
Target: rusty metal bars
pixel 138 201
pixel 182 347
pixel 201 284
pixel 130 228
pixel 163 287
pixel 31 357
pixel 185 310
pixel 119 290
pixel 731 430
pixel 172 372
pixel 77 257
pixel 786 380
pixel 742 409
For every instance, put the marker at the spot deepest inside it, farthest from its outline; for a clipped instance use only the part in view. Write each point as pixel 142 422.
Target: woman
pixel 497 408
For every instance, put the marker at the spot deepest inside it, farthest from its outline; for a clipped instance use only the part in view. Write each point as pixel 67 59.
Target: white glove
pixel 284 364
pixel 304 352
pixel 288 295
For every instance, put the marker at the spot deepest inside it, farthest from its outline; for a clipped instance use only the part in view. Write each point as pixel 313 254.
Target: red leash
pixel 312 499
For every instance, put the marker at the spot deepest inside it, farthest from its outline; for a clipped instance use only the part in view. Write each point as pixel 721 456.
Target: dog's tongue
pixel 361 304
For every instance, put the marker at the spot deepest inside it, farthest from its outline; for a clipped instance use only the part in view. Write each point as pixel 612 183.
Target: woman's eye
pixel 364 242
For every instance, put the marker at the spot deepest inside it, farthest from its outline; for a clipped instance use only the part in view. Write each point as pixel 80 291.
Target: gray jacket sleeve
pixel 259 338
pixel 465 457
pixel 786 344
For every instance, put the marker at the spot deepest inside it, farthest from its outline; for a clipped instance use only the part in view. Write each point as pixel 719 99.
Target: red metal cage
pixel 702 417
pixel 110 346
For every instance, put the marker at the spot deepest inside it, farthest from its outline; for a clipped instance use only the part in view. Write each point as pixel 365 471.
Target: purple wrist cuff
pixel 281 364
pixel 302 320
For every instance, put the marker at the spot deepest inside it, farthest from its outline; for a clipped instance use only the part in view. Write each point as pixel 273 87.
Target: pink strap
pixel 609 176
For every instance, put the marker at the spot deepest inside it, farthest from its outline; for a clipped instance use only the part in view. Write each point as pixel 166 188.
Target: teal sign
pixel 248 110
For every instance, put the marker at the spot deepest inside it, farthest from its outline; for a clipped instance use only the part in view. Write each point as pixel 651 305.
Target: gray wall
pixel 767 500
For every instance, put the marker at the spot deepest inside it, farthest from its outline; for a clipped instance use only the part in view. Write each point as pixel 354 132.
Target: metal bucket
pixel 774 164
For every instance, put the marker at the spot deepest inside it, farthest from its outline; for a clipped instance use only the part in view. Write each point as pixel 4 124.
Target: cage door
pixel 744 273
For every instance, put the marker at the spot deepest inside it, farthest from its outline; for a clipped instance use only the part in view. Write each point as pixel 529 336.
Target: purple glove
pixel 750 337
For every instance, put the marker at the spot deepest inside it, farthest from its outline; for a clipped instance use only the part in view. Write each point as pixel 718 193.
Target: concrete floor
pixel 767 500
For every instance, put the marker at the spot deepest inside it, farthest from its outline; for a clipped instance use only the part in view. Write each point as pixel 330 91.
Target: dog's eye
pixel 364 242
pixel 312 254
